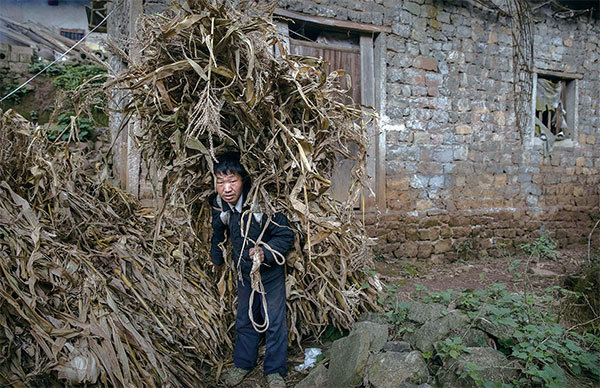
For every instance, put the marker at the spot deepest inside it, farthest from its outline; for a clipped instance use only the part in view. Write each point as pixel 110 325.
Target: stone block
pixel 396 346
pixel 398 183
pixel 393 369
pixel 348 359
pixel 423 204
pixel 426 63
pixel 21 54
pixel 412 234
pixel 429 234
pixel 435 330
pixel 317 378
pixel 4 54
pixel 422 312
pixel 442 246
pixel 463 130
pixel 460 231
pixel 377 332
pixel 424 249
pixel 410 249
pixel 422 138
pixel 419 181
pixel 491 365
pixel 413 8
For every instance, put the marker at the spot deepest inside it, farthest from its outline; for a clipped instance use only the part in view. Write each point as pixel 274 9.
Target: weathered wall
pixel 16 60
pixel 460 179
pixel 68 14
pixel 128 168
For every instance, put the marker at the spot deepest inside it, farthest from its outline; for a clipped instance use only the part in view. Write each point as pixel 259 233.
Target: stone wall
pixel 14 65
pixel 461 179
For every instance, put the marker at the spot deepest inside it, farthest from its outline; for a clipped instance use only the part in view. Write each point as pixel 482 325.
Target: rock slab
pixel 394 369
pixel 492 366
pixel 317 378
pixel 378 333
pixel 348 359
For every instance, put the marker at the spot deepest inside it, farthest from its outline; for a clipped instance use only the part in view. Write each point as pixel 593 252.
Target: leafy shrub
pixel 543 247
pixel 83 129
pixel 545 351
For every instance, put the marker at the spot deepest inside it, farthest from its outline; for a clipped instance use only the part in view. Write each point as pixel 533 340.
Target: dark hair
pixel 229 163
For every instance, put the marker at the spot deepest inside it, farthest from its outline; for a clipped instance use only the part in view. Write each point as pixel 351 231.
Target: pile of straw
pixel 87 292
pixel 209 81
pixel 95 289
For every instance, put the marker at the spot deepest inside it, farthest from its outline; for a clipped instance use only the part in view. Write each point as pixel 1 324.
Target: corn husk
pixel 97 290
pixel 209 81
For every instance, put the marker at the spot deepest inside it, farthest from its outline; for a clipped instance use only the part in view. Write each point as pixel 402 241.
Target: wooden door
pixel 347 59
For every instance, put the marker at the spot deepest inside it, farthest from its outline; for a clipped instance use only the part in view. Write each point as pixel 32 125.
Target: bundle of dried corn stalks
pixel 209 81
pixel 94 291
pixel 87 293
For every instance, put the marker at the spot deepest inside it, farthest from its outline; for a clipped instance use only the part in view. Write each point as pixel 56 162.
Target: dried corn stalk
pixel 209 81
pixel 95 289
pixel 86 293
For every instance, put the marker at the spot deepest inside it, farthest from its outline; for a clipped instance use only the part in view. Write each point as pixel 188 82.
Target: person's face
pixel 229 187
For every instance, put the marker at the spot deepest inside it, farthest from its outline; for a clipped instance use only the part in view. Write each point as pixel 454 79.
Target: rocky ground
pixel 374 343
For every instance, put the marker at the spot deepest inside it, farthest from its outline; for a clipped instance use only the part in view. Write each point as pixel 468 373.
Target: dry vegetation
pixel 95 289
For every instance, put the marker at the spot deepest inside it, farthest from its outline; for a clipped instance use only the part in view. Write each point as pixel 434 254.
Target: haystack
pixel 96 289
pixel 209 81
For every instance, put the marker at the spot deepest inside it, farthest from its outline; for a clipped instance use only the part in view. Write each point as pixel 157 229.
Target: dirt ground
pixel 518 272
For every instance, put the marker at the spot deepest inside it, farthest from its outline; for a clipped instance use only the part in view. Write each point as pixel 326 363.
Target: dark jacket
pixel 277 234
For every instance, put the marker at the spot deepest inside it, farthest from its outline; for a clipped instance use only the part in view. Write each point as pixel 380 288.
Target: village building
pixel 489 127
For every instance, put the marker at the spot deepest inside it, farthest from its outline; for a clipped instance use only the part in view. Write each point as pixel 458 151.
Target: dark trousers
pixel 245 351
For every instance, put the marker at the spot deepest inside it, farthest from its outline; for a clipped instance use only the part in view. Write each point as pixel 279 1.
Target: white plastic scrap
pixel 310 357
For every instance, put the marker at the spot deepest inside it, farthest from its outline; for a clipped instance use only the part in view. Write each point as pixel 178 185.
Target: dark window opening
pixel 304 31
pixel 73 34
pixel 551 106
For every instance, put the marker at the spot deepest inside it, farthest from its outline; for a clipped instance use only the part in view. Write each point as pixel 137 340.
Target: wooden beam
pixel 367 91
pixel 307 43
pixel 558 74
pixel 347 25
pixel 379 57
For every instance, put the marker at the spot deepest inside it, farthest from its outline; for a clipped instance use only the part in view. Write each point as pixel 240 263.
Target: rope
pixel 255 279
pixel 61 56
pixel 257 287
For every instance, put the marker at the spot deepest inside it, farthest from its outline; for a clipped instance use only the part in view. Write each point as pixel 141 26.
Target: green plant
pixel 542 349
pixel 74 76
pixel 52 71
pixel 450 347
pixel 543 247
pixel 82 128
pixel 69 77
pixel 395 311
pixel 465 249
pixel 332 334
pixel 443 297
pixel 16 97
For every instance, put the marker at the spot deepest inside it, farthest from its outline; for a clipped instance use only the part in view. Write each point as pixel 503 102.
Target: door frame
pixel 373 68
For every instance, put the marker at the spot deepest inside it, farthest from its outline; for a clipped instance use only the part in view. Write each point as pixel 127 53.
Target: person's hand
pixel 259 252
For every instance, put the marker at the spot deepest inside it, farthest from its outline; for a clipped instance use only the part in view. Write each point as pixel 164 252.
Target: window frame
pixel 571 103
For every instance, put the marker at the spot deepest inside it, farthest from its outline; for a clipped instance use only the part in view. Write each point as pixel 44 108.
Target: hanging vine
pixel 523 39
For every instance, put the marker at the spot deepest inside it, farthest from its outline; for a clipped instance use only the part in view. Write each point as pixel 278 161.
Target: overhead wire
pixel 60 57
